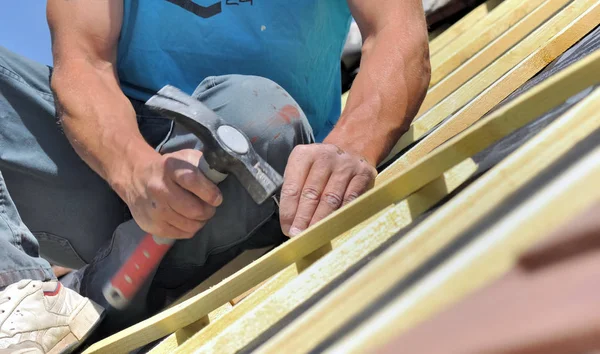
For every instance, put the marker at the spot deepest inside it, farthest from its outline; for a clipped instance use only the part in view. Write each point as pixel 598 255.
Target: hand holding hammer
pixel 227 150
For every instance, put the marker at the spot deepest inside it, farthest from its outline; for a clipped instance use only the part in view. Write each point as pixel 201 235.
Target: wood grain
pixel 514 115
pixel 491 52
pixel 485 260
pixel 463 25
pixel 266 290
pixel 456 53
pixel 275 307
pixel 437 231
pixel 475 98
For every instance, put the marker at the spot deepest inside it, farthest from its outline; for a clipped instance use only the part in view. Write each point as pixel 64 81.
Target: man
pixel 109 57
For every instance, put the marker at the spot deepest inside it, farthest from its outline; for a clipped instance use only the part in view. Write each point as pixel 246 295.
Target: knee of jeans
pixel 270 117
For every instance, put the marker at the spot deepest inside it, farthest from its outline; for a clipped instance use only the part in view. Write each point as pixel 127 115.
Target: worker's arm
pixel 391 84
pixel 167 195
pixel 392 81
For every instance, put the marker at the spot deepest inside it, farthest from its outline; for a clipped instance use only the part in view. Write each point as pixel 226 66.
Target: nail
pixel 219 200
pixel 294 231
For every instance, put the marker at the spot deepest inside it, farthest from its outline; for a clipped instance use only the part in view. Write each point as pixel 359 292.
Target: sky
pixel 23 29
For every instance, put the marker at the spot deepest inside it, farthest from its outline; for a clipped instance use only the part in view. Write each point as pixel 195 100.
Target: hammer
pixel 226 150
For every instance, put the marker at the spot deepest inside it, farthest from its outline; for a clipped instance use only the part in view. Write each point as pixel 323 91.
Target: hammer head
pixel 226 148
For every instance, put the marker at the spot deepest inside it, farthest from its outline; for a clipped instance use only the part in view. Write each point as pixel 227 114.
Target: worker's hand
pixel 170 197
pixel 319 179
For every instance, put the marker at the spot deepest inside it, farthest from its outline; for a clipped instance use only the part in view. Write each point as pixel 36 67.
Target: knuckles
pixel 311 193
pixel 332 199
pixel 351 196
pixel 186 178
pixel 289 191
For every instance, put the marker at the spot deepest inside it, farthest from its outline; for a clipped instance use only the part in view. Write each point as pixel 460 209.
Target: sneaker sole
pixel 82 324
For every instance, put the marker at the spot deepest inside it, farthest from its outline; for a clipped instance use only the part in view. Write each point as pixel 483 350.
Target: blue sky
pixel 23 29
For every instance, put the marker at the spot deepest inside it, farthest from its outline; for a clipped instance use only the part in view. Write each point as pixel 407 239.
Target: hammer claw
pixel 226 148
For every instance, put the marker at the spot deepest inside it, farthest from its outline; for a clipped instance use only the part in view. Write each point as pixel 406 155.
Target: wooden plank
pixel 229 269
pixel 463 25
pixel 174 340
pixel 454 54
pixel 437 231
pixel 263 292
pixel 486 259
pixel 488 130
pixel 569 26
pixel 487 55
pixel 472 22
pixel 272 309
pixel 306 287
pixel 167 345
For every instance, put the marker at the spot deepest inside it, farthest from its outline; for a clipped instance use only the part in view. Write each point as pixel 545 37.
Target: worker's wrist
pixel 124 167
pixel 352 144
pixel 359 142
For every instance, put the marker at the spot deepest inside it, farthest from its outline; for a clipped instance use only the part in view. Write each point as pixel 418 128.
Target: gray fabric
pixel 73 213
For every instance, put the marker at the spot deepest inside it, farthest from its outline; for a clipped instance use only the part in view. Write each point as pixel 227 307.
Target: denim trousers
pixel 53 207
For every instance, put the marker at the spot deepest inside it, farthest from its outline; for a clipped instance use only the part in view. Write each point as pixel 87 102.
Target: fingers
pixel 310 196
pixel 167 230
pixel 295 175
pixel 189 205
pixel 170 224
pixel 332 197
pixel 183 166
pixel 319 179
pixel 183 198
pixel 359 185
pixel 188 227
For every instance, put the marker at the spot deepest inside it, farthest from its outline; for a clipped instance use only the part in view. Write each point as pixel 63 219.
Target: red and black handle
pixel 134 273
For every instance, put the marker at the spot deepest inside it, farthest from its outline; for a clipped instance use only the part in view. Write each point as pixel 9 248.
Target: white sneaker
pixel 44 317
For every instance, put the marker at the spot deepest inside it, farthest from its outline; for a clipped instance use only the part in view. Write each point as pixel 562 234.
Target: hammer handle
pixel 123 286
pixel 134 272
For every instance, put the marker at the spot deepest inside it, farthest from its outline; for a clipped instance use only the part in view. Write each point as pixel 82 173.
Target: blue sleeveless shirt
pixel 296 43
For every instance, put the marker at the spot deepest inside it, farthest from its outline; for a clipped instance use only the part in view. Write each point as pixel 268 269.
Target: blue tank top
pixel 296 43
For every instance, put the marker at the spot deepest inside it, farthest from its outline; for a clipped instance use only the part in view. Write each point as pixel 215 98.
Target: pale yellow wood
pixel 263 292
pixel 467 23
pixel 275 307
pixel 483 58
pixel 437 231
pixel 180 336
pixel 459 51
pixel 433 34
pixel 490 256
pixel 345 99
pixel 488 28
pixel 271 286
pixel 174 340
pixel 539 101
pixel 463 25
pixel 169 344
pixel 485 132
pixel 230 268
pixel 569 26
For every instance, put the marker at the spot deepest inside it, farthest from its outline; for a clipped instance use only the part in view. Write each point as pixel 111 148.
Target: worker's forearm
pixel 99 120
pixel 386 94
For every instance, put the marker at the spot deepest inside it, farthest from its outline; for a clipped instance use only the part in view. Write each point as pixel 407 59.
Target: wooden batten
pixel 496 82
pixel 463 25
pixel 454 54
pixel 491 52
pixel 435 233
pixel 207 321
pixel 494 253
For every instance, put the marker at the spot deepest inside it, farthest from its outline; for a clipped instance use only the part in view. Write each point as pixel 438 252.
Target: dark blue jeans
pixel 74 219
